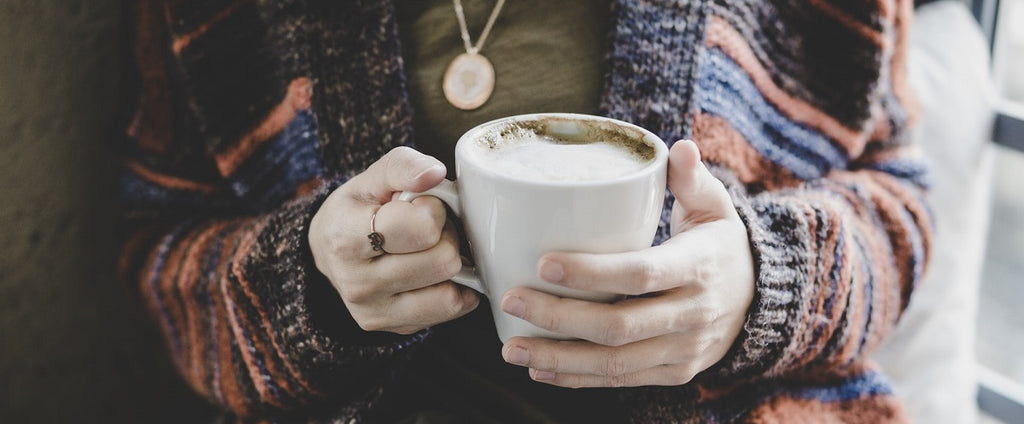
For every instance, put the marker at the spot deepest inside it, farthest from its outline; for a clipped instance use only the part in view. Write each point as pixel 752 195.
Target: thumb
pixel 401 169
pixel 700 197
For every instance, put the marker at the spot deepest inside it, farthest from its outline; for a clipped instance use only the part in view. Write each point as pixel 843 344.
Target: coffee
pixel 563 151
pixel 532 184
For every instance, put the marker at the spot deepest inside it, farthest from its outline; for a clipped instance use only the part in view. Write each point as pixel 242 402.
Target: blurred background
pixel 1000 323
pixel 76 347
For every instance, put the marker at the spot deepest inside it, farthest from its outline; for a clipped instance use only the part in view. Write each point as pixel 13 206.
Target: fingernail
pixel 517 355
pixel 552 271
pixel 514 305
pixel 542 375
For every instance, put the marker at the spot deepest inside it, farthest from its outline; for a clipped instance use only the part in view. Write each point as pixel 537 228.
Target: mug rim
pixel 659 160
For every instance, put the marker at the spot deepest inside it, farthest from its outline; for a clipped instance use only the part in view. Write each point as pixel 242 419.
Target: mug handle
pixel 448 193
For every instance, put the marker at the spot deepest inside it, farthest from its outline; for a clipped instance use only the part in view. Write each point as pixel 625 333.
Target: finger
pixel 396 273
pixel 408 227
pixel 663 375
pixel 701 196
pixel 401 169
pixel 581 357
pixel 685 258
pixel 412 311
pixel 616 324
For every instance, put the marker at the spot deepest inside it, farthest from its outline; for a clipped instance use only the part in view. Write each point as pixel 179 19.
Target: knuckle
pixel 370 324
pixel 446 263
pixel 452 263
pixel 548 319
pixel 423 237
pixel 356 293
pixel 573 383
pixel 615 365
pixel 336 239
pixel 680 377
pixel 705 315
pixel 618 381
pixel 406 330
pixel 343 245
pixel 688 372
pixel 619 331
pixel 398 157
pixel 645 275
pixel 451 299
pixel 433 210
pixel 553 361
pixel 706 267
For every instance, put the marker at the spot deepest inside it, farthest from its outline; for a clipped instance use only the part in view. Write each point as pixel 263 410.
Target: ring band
pixel 376 239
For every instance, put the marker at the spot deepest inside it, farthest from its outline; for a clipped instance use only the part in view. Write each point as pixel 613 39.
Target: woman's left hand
pixel 689 297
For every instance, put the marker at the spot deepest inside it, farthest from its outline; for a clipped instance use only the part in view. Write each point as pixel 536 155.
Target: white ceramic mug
pixel 511 222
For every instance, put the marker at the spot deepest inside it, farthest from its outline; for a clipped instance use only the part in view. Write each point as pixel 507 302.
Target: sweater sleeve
pixel 836 262
pixel 216 244
pixel 249 322
pixel 826 181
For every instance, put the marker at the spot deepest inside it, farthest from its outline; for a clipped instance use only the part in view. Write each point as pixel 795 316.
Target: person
pixel 269 134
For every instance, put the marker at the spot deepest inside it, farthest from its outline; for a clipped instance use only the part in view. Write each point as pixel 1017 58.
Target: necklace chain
pixel 470 48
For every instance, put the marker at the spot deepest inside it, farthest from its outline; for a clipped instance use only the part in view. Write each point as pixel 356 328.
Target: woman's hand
pixel 691 297
pixel 406 289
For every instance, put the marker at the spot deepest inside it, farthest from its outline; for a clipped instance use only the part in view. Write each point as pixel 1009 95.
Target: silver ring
pixel 376 239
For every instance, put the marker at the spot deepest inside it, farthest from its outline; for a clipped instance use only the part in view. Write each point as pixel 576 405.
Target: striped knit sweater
pixel 250 111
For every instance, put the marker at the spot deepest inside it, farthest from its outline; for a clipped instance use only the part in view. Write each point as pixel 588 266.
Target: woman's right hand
pixel 405 289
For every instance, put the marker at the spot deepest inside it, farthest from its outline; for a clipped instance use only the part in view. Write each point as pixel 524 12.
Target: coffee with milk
pixel 532 184
pixel 552 152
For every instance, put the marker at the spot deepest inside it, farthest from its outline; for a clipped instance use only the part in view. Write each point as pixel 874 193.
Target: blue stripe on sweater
pixel 725 90
pixel 868 383
pixel 863 385
pixel 163 250
pixel 270 176
pixel 247 344
pixel 869 292
pixel 912 170
pixel 139 193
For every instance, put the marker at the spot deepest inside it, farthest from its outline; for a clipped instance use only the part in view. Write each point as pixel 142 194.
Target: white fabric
pixel 930 355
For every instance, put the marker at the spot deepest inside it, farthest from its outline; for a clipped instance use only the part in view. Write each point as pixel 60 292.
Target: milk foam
pixel 541 158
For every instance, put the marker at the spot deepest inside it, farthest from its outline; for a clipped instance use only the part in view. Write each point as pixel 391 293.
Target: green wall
pixel 74 345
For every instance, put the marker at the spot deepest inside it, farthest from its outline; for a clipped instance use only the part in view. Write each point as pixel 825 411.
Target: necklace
pixel 469 79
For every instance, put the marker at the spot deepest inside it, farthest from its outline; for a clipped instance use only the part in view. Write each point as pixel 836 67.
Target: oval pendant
pixel 468 81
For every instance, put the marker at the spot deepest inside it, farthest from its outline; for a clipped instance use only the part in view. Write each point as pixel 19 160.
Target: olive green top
pixel 548 56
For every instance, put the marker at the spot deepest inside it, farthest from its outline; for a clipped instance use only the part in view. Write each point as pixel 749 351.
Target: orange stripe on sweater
pixel 813 295
pixel 228 378
pixel 308 187
pixel 876 37
pixel 150 294
pixel 829 290
pixel 885 257
pixel 183 40
pixel 719 143
pixel 898 70
pixel 875 244
pixel 268 331
pixel 298 97
pixel 723 36
pixel 869 410
pixel 921 224
pixel 195 334
pixel 240 329
pixel 168 181
pixel 167 280
pixel 263 328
